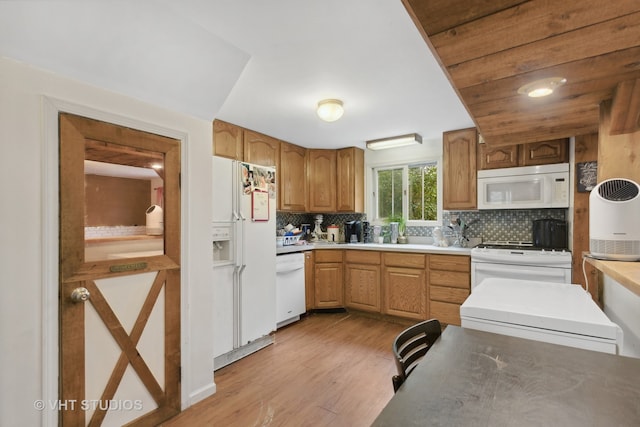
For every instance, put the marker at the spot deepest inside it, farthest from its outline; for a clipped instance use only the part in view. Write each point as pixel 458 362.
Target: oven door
pixel 483 270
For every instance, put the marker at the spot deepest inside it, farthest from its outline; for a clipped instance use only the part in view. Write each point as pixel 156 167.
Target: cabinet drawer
pixel 453 279
pixel 453 295
pixel 362 257
pixel 328 256
pixel 450 262
pixel 398 259
pixel 445 312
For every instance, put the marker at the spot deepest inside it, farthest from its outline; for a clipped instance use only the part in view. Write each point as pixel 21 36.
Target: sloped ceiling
pixel 491 48
pixel 259 64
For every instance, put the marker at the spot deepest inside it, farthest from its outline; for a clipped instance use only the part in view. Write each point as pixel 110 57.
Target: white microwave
pixel 529 187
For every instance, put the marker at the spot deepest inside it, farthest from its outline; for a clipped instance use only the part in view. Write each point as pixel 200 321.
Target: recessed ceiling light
pixel 542 87
pixel 330 110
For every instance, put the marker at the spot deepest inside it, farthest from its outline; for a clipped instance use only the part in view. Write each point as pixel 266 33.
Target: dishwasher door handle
pixel 288 269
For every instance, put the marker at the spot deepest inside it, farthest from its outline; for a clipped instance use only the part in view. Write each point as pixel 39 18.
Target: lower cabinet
pixel 362 280
pixel 404 285
pixel 328 279
pixel 449 286
pixel 410 285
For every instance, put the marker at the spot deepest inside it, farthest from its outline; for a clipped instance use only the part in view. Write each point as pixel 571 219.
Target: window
pixel 410 191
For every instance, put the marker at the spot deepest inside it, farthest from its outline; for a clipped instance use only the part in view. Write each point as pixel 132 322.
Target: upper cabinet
pixel 350 181
pixel 227 140
pixel 531 154
pixel 459 186
pixel 497 157
pixel 261 149
pixel 545 152
pixel 308 180
pixel 322 180
pixel 293 182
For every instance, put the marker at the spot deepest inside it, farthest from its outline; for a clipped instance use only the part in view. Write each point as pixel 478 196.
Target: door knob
pixel 80 295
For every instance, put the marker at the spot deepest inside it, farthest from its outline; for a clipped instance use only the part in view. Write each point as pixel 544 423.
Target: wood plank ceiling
pixel 490 48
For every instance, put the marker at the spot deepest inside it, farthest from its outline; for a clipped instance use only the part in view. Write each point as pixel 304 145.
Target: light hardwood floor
pixel 329 369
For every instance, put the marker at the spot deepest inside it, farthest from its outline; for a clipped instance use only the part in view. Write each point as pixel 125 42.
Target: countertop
pixel 390 247
pixel 475 378
pixel 624 272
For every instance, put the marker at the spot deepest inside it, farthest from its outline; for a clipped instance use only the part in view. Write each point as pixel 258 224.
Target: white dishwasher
pixel 290 291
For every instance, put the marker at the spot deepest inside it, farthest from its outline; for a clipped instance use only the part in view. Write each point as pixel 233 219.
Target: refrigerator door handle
pixel 244 240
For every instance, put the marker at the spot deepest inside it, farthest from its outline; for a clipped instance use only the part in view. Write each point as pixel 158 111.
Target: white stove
pixel 519 260
pixel 557 313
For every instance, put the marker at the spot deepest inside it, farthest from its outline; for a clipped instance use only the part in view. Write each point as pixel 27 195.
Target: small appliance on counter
pixel 333 233
pixel 550 233
pixel 353 231
pixel 614 209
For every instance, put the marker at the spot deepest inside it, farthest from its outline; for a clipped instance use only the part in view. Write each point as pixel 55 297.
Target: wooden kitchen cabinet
pixel 350 180
pixel 362 280
pixel 404 285
pixel 545 152
pixel 459 181
pixel 293 178
pixel 328 279
pixel 309 287
pixel 449 286
pixel 322 180
pixel 497 157
pixel 227 140
pixel 261 149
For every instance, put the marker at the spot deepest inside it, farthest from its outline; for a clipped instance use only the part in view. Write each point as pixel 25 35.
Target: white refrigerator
pixel 244 258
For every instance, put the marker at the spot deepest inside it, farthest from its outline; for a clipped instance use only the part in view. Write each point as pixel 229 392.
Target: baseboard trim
pixel 238 353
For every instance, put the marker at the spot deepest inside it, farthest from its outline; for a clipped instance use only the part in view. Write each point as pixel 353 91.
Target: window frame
pixel 404 166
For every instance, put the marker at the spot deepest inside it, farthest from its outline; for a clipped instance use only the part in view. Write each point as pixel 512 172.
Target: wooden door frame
pixel 51 108
pixel 76 271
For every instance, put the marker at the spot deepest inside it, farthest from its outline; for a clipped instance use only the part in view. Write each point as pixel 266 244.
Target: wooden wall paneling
pixel 618 155
pixel 625 110
pixel 586 150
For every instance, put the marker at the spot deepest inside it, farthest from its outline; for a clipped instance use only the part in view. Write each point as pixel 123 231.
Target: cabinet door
pixel 328 284
pixel 261 149
pixel 459 184
pixel 405 292
pixel 497 157
pixel 449 286
pixel 227 140
pixel 362 287
pixel 322 180
pixel 545 152
pixel 308 279
pixel 350 181
pixel 293 178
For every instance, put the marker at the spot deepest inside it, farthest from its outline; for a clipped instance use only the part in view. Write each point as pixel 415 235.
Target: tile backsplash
pixel 487 225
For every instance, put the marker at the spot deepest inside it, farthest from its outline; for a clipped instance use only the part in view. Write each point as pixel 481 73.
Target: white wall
pixel 28 234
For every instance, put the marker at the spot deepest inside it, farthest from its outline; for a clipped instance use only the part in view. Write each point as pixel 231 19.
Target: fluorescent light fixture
pixel 542 87
pixel 330 110
pixel 394 141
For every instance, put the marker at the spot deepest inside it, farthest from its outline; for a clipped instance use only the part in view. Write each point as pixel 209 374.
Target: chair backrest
pixel 411 345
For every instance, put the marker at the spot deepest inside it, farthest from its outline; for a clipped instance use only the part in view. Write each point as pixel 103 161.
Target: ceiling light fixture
pixel 394 141
pixel 330 110
pixel 542 87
